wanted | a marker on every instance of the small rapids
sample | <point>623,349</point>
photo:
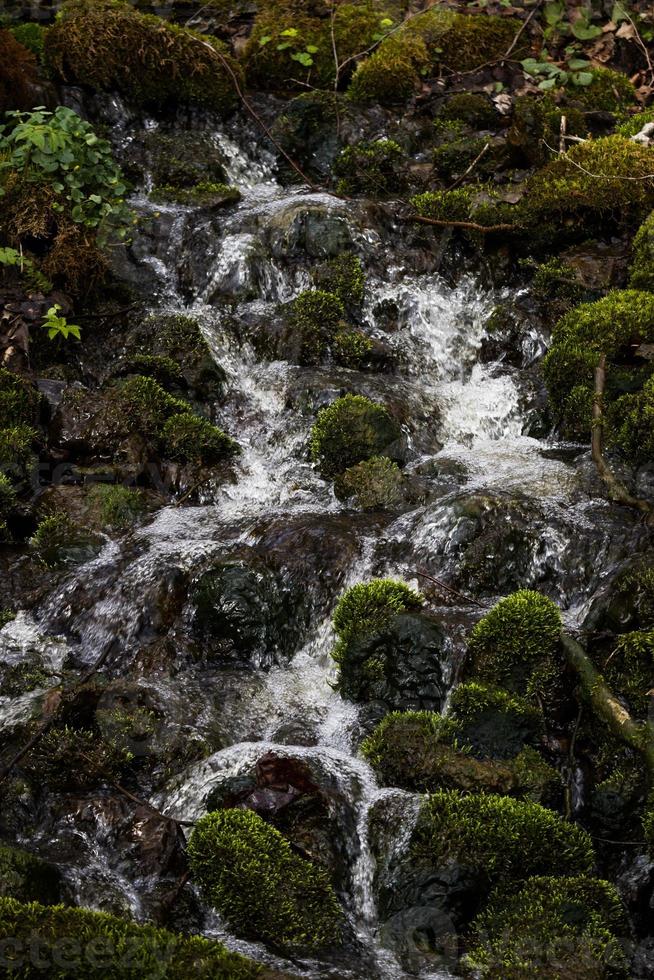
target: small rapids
<point>469,436</point>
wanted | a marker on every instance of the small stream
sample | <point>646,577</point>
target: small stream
<point>468,437</point>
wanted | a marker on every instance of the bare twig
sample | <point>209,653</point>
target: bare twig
<point>525,25</point>
<point>448,588</point>
<point>470,168</point>
<point>471,225</point>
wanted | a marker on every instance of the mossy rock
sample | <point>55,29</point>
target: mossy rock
<point>437,39</point>
<point>128,951</point>
<point>67,759</point>
<point>517,640</point>
<point>149,60</point>
<point>313,319</point>
<point>248,872</point>
<point>27,878</point>
<point>204,194</point>
<point>19,400</point>
<point>609,91</point>
<point>375,484</point>
<point>375,168</point>
<point>494,723</point>
<point>353,429</point>
<point>551,927</point>
<point>178,164</point>
<point>503,839</point>
<point>641,275</point>
<point>289,48</point>
<point>187,438</point>
<point>536,125</point>
<point>58,540</point>
<point>614,326</point>
<point>343,277</point>
<point>562,198</point>
<point>422,752</point>
<point>472,108</point>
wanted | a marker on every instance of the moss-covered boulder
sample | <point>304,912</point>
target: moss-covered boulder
<point>109,46</point>
<point>58,540</point>
<point>27,878</point>
<point>312,322</point>
<point>642,270</point>
<point>248,872</point>
<point>551,927</point>
<point>615,326</point>
<point>342,276</point>
<point>503,839</point>
<point>494,723</point>
<point>375,484</point>
<point>353,429</point>
<point>421,751</point>
<point>388,653</point>
<point>609,91</point>
<point>103,947</point>
<point>517,642</point>
<point>435,40</point>
<point>375,169</point>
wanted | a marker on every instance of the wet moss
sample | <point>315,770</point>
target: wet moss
<point>191,439</point>
<point>631,424</point>
<point>205,193</point>
<point>369,606</point>
<point>444,205</point>
<point>375,484</point>
<point>614,326</point>
<point>634,124</point>
<point>17,450</point>
<point>27,878</point>
<point>352,429</point>
<point>536,127</point>
<point>609,91</point>
<point>19,401</point>
<point>551,927</point>
<point>103,947</point>
<point>119,507</point>
<point>471,108</point>
<point>351,347</point>
<point>58,540</point>
<point>371,168</point>
<point>149,60</point>
<point>314,318</point>
<point>555,280</point>
<point>642,269</point>
<point>435,40</point>
<point>505,839</point>
<point>179,338</point>
<point>494,722</point>
<point>18,73</point>
<point>517,637</point>
<point>66,759</point>
<point>342,276</point>
<point>248,871</point>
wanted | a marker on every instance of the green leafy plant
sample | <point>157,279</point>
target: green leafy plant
<point>58,326</point>
<point>62,149</point>
<point>33,278</point>
<point>290,40</point>
<point>553,76</point>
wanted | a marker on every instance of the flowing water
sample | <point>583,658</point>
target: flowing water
<point>468,433</point>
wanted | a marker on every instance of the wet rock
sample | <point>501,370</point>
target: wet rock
<point>244,613</point>
<point>316,229</point>
<point>177,159</point>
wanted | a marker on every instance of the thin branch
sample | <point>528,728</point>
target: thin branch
<point>639,41</point>
<point>471,225</point>
<point>448,588</point>
<point>525,25</point>
<point>470,168</point>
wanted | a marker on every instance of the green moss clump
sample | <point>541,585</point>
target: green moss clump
<point>25,877</point>
<point>368,607</point>
<point>7,499</point>
<point>6,616</point>
<point>435,40</point>
<point>118,506</point>
<point>352,429</point>
<point>551,927</point>
<point>140,402</point>
<point>314,318</point>
<point>342,276</point>
<point>633,125</point>
<point>505,839</point>
<point>163,369</point>
<point>31,36</point>
<point>409,748</point>
<point>630,669</point>
<point>612,326</point>
<point>444,205</point>
<point>248,871</point>
<point>205,193</point>
<point>520,633</point>
<point>103,947</point>
<point>191,439</point>
<point>630,424</point>
<point>179,338</point>
<point>371,168</point>
<point>494,722</point>
<point>556,280</point>
<point>609,91</point>
<point>75,759</point>
<point>641,275</point>
<point>108,45</point>
<point>471,108</point>
<point>58,540</point>
<point>375,484</point>
<point>16,448</point>
<point>537,122</point>
<point>579,191</point>
<point>19,401</point>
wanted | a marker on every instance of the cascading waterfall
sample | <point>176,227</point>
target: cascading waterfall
<point>478,434</point>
